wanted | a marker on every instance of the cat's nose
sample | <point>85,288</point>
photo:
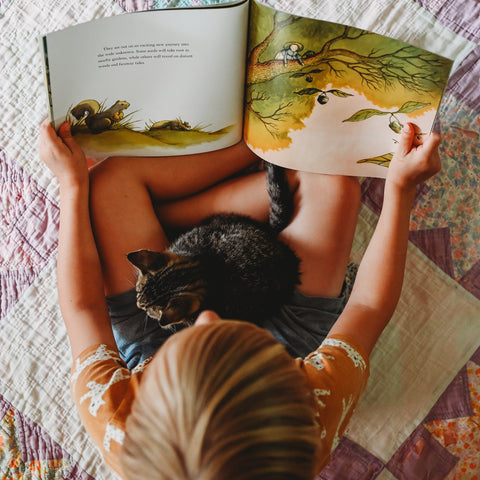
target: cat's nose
<point>207,316</point>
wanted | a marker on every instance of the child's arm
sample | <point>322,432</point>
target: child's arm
<point>79,275</point>
<point>380,276</point>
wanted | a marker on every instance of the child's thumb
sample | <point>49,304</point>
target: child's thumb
<point>66,135</point>
<point>406,139</point>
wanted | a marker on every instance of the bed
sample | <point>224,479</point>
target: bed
<point>420,415</point>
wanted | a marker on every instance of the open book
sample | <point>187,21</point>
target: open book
<point>306,94</point>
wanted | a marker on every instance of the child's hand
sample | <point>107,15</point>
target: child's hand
<point>62,154</point>
<point>414,161</point>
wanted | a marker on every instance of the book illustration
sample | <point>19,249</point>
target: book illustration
<point>100,128</point>
<point>394,123</point>
<point>306,94</point>
<point>96,118</point>
<point>290,51</point>
<point>298,67</point>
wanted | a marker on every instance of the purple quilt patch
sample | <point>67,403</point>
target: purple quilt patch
<point>462,16</point>
<point>76,473</point>
<point>463,83</point>
<point>421,457</point>
<point>35,444</point>
<point>372,194</point>
<point>471,281</point>
<point>136,5</point>
<point>435,244</point>
<point>350,461</point>
<point>455,400</point>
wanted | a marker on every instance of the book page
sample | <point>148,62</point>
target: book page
<point>163,82</point>
<point>330,98</point>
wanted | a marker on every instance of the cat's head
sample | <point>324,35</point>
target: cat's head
<point>170,287</point>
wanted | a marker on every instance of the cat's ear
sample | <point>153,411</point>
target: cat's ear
<point>179,309</point>
<point>147,261</point>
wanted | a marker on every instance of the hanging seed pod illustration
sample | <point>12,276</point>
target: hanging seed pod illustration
<point>395,124</point>
<point>322,99</point>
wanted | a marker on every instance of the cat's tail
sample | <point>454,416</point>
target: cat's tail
<point>281,199</point>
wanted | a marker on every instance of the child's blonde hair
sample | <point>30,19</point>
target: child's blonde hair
<point>222,401</point>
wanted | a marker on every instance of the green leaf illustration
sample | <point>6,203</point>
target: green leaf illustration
<point>364,114</point>
<point>339,93</point>
<point>308,91</point>
<point>382,160</point>
<point>411,106</point>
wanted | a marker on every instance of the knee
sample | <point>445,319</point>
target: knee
<point>109,180</point>
<point>108,167</point>
<point>110,175</point>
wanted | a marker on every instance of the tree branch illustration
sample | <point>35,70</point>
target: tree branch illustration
<point>277,25</point>
<point>403,66</point>
<point>270,121</point>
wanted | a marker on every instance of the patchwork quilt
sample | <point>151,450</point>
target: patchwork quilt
<point>420,416</point>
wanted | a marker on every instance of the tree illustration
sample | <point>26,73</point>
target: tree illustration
<point>280,94</point>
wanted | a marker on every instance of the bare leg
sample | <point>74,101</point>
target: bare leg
<point>122,190</point>
<point>244,195</point>
<point>322,230</point>
<point>125,219</point>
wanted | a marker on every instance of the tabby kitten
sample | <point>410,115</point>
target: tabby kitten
<point>229,263</point>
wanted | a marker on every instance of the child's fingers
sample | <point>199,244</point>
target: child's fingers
<point>69,141</point>
<point>430,145</point>
<point>64,130</point>
<point>430,148</point>
<point>433,141</point>
<point>66,135</point>
<point>48,138</point>
<point>45,130</point>
<point>406,139</point>
<point>50,133</point>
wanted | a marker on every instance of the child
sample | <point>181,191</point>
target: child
<point>223,399</point>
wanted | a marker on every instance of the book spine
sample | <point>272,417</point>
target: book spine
<point>47,78</point>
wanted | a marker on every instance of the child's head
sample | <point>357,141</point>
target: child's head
<point>222,400</point>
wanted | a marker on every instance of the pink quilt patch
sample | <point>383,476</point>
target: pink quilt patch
<point>28,231</point>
